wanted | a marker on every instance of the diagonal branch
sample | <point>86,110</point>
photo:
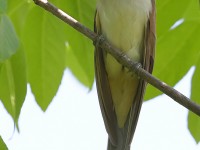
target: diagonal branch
<point>121,58</point>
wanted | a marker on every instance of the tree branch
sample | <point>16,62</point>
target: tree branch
<point>121,58</point>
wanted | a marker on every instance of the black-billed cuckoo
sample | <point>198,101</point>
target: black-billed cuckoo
<point>130,26</point>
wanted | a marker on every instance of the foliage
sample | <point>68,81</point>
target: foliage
<point>2,145</point>
<point>178,49</point>
<point>36,47</point>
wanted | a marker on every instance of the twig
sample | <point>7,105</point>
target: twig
<point>120,57</point>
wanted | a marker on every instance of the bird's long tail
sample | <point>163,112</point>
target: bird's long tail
<point>119,147</point>
<point>125,134</point>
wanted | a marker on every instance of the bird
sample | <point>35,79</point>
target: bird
<point>130,26</point>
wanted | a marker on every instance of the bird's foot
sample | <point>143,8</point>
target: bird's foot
<point>98,40</point>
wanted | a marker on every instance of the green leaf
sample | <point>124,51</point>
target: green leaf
<point>2,145</point>
<point>44,42</point>
<point>176,50</point>
<point>73,63</point>
<point>1,66</point>
<point>18,11</point>
<point>8,39</point>
<point>193,119</point>
<point>13,83</point>
<point>192,12</point>
<point>81,48</point>
<point>168,12</point>
<point>3,6</point>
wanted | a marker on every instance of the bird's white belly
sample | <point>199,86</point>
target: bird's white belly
<point>122,24</point>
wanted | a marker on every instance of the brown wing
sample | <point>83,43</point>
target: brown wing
<point>148,61</point>
<point>103,89</point>
<point>150,40</point>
